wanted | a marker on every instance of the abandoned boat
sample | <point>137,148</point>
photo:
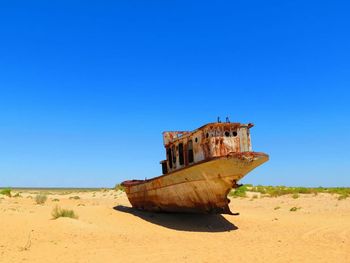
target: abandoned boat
<point>200,169</point>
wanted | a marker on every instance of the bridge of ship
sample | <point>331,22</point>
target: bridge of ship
<point>185,148</point>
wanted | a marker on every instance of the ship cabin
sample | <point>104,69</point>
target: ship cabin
<point>186,148</point>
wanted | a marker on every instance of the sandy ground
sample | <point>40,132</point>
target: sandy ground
<point>108,230</point>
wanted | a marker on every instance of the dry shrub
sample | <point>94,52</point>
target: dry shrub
<point>60,212</point>
<point>40,199</point>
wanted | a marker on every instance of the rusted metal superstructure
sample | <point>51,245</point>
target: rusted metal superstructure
<point>200,169</point>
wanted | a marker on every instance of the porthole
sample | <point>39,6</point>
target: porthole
<point>234,134</point>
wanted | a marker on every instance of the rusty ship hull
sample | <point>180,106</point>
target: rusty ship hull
<point>198,188</point>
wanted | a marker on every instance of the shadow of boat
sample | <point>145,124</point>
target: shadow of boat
<point>182,221</point>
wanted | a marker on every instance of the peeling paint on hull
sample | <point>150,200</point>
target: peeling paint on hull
<point>199,188</point>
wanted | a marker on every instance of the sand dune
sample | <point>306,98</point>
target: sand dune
<point>108,230</point>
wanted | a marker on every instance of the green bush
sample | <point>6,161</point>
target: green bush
<point>239,192</point>
<point>6,191</point>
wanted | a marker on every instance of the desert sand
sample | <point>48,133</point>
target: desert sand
<point>108,230</point>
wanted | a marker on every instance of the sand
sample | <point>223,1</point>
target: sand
<point>108,230</point>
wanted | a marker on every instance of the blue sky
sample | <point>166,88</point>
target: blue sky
<point>86,88</point>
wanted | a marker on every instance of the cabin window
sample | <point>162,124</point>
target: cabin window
<point>174,154</point>
<point>234,134</point>
<point>164,168</point>
<point>196,140</point>
<point>227,133</point>
<point>190,151</point>
<point>207,135</point>
<point>181,153</point>
<point>170,158</point>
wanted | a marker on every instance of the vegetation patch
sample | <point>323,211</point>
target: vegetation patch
<point>275,191</point>
<point>17,195</point>
<point>119,187</point>
<point>58,212</point>
<point>40,199</point>
<point>343,196</point>
<point>295,196</point>
<point>55,200</point>
<point>6,191</point>
<point>75,197</point>
<point>294,209</point>
<point>239,192</point>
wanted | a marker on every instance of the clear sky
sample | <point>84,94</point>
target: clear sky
<point>86,88</point>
